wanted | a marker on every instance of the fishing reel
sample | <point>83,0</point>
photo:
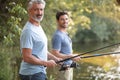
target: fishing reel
<point>66,66</point>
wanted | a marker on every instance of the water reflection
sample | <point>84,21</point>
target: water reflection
<point>99,68</point>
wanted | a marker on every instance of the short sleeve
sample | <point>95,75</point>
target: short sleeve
<point>26,39</point>
<point>56,42</point>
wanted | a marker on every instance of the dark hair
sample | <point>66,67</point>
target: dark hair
<point>60,13</point>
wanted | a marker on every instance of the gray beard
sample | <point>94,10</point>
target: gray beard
<point>38,20</point>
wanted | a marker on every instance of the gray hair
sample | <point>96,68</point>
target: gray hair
<point>31,2</point>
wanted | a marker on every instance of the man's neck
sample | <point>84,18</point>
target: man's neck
<point>62,29</point>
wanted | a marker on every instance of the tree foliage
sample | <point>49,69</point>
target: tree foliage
<point>104,22</point>
<point>85,15</point>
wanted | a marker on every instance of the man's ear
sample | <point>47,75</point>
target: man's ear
<point>28,11</point>
<point>57,21</point>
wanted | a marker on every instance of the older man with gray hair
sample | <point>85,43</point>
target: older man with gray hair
<point>33,45</point>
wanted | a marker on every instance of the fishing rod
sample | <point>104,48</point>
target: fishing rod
<point>87,52</point>
<point>97,55</point>
<point>75,65</point>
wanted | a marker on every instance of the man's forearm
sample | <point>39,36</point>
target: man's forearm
<point>51,56</point>
<point>61,55</point>
<point>33,60</point>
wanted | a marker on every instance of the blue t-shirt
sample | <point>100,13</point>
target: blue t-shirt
<point>33,37</point>
<point>62,42</point>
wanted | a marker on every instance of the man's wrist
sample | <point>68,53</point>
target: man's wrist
<point>44,63</point>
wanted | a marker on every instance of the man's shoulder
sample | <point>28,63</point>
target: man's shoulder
<point>58,33</point>
<point>28,28</point>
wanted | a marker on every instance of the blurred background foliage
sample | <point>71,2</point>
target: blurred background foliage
<point>92,21</point>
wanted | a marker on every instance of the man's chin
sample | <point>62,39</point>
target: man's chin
<point>64,27</point>
<point>38,20</point>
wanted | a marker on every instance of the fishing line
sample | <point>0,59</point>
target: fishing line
<point>97,55</point>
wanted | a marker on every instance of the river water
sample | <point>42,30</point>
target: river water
<point>99,68</point>
<point>110,68</point>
